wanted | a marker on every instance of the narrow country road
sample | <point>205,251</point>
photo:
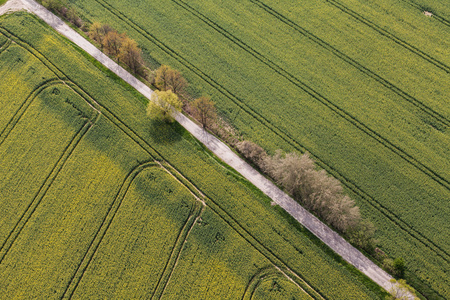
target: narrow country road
<point>323,232</point>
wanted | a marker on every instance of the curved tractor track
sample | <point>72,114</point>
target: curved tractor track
<point>328,236</point>
<point>396,219</point>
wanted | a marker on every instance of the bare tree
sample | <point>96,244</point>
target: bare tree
<point>131,55</point>
<point>315,189</point>
<point>112,43</point>
<point>205,111</point>
<point>252,152</point>
<point>176,82</point>
<point>167,78</point>
<point>98,31</point>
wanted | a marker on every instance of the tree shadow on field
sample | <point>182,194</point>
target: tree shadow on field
<point>164,133</point>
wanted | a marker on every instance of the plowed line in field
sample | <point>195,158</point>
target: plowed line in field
<point>261,276</point>
<point>201,197</point>
<point>295,144</point>
<point>281,265</point>
<point>195,213</point>
<point>154,153</point>
<point>255,280</point>
<point>420,105</point>
<point>316,95</point>
<point>390,36</point>
<point>5,46</point>
<point>24,106</point>
<point>33,51</point>
<point>128,131</point>
<point>421,9</point>
<point>176,251</point>
<point>103,228</point>
<point>142,143</point>
<point>7,244</point>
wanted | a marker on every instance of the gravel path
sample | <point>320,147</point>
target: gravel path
<point>323,232</point>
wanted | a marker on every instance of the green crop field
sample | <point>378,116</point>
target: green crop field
<point>99,201</point>
<point>361,85</point>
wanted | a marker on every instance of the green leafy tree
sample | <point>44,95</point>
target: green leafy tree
<point>399,267</point>
<point>401,290</point>
<point>163,104</point>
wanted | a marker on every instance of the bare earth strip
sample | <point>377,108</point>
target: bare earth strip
<point>323,232</point>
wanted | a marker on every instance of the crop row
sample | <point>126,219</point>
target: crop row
<point>4,45</point>
<point>423,8</point>
<point>344,114</point>
<point>58,146</point>
<point>238,101</point>
<point>414,227</point>
<point>389,35</point>
<point>172,146</point>
<point>428,110</point>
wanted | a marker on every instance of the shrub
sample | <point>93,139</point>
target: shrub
<point>252,152</point>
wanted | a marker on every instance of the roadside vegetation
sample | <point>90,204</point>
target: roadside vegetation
<point>94,188</point>
<point>298,175</point>
<point>348,82</point>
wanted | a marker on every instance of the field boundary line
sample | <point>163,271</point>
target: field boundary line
<point>295,144</point>
<point>90,253</point>
<point>277,262</point>
<point>24,106</point>
<point>37,199</point>
<point>69,33</point>
<point>33,52</point>
<point>390,36</point>
<point>419,104</point>
<point>255,281</point>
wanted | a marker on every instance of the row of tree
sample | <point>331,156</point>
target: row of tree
<point>315,190</point>
<point>115,44</point>
<point>172,85</point>
<point>119,46</point>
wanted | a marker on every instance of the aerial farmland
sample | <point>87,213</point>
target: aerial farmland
<point>99,200</point>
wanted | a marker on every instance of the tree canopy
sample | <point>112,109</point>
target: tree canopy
<point>163,104</point>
